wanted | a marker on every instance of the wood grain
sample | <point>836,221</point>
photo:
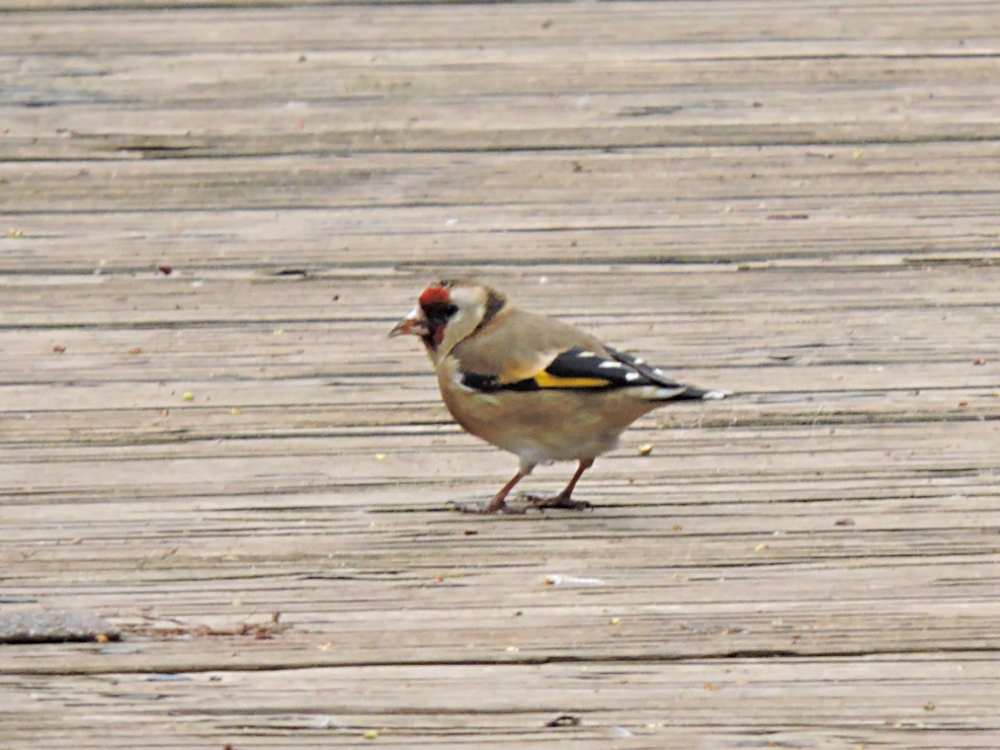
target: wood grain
<point>210,217</point>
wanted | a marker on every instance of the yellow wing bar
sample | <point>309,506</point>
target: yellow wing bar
<point>546,380</point>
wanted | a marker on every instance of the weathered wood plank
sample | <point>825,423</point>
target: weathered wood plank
<point>827,182</point>
<point>795,201</point>
<point>667,705</point>
<point>457,26</point>
<point>481,78</point>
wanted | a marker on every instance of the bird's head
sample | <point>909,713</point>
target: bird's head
<point>449,311</point>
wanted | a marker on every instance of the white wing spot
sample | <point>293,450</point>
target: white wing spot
<point>665,393</point>
<point>585,355</point>
<point>660,372</point>
<point>657,393</point>
<point>639,361</point>
<point>609,364</point>
<point>632,376</point>
<point>457,379</point>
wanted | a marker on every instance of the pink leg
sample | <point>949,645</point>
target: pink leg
<point>497,504</point>
<point>562,500</point>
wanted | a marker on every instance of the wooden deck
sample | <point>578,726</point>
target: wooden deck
<point>795,201</point>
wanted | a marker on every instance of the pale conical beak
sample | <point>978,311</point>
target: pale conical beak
<point>415,323</point>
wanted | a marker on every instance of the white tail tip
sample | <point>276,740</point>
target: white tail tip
<point>715,395</point>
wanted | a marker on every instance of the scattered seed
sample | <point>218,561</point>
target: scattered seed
<point>564,720</point>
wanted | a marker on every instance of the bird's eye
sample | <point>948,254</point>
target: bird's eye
<point>439,313</point>
<point>444,283</point>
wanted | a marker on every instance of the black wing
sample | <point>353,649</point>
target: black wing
<point>578,369</point>
<point>656,376</point>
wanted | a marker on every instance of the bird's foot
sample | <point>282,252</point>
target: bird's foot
<point>487,508</point>
<point>558,501</point>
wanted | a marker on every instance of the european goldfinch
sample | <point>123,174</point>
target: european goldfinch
<point>532,385</point>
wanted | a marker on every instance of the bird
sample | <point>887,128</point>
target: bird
<point>532,385</point>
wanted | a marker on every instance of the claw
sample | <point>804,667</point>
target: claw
<point>558,501</point>
<point>484,509</point>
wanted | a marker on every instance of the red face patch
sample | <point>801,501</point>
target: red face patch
<point>435,295</point>
<point>439,336</point>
